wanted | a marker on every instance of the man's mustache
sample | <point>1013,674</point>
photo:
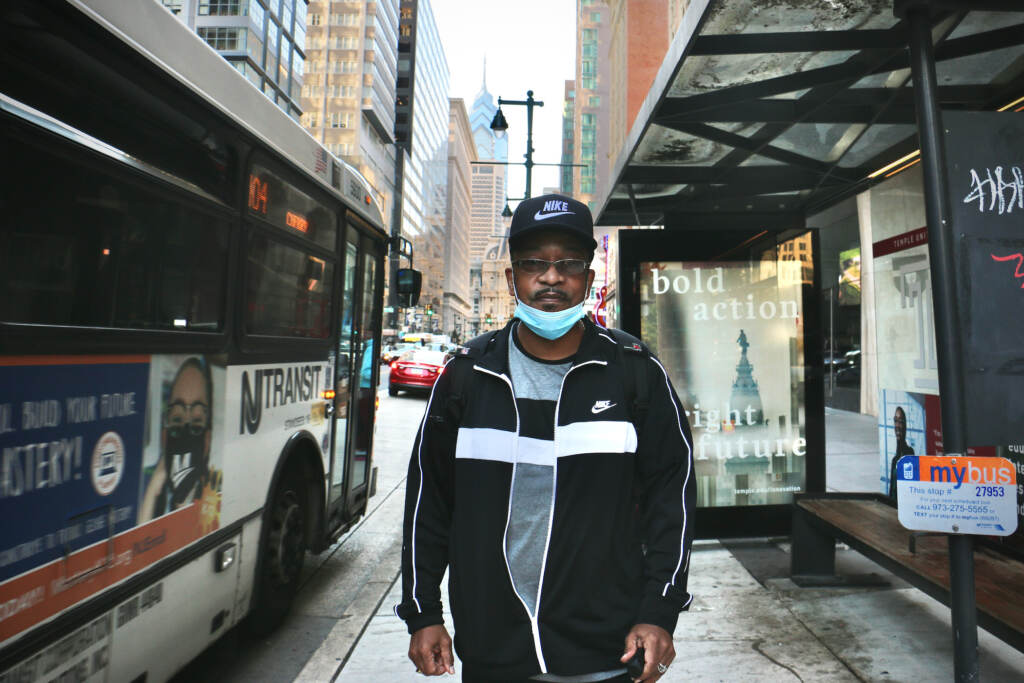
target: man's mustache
<point>550,291</point>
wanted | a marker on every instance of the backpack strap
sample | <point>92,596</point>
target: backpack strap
<point>633,356</point>
<point>461,367</point>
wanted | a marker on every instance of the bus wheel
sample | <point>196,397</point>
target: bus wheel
<point>282,554</point>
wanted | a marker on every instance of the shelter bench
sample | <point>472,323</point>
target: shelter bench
<point>868,523</point>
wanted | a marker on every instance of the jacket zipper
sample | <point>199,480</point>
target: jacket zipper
<point>551,510</point>
<point>534,625</point>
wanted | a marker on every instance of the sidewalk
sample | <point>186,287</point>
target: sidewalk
<point>749,622</point>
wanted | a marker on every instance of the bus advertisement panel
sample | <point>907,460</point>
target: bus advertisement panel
<point>108,466</point>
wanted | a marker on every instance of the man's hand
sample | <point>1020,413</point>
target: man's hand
<point>430,649</point>
<point>657,643</point>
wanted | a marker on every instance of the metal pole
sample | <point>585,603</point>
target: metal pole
<point>529,143</point>
<point>396,233</point>
<point>831,342</point>
<point>947,327</point>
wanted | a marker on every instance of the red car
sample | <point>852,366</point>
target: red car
<point>416,370</point>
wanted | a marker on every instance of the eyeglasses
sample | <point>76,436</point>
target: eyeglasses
<point>192,416</point>
<point>566,266</point>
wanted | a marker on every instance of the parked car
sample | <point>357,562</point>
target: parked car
<point>390,353</point>
<point>416,370</point>
<point>850,373</point>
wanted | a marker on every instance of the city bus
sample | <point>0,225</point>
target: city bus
<point>190,309</point>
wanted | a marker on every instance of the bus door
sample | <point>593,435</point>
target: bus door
<point>356,370</point>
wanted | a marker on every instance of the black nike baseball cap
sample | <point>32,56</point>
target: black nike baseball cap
<point>553,211</point>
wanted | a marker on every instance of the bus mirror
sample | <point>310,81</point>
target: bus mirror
<point>409,282</point>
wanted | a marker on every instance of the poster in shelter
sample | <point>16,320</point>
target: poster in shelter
<point>730,335</point>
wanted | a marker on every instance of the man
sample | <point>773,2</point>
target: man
<point>899,427</point>
<point>565,526</point>
<point>183,468</point>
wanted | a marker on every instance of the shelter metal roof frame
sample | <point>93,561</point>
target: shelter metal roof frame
<point>765,113</point>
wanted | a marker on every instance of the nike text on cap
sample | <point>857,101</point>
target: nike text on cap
<point>553,211</point>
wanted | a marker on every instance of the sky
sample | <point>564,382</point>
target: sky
<point>529,45</point>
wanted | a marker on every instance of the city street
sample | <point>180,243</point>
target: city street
<point>747,619</point>
<point>343,586</point>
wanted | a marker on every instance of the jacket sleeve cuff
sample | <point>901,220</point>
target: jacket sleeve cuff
<point>414,620</point>
<point>663,612</point>
<point>415,623</point>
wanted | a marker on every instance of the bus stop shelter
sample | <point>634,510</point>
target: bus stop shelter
<point>763,114</point>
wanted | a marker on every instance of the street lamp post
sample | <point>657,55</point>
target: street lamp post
<point>499,125</point>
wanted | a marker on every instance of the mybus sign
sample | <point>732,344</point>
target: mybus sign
<point>960,471</point>
<point>965,495</point>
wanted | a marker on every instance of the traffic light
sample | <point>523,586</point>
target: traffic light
<point>488,320</point>
<point>430,310</point>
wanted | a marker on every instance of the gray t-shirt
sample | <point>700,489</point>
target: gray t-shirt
<point>537,384</point>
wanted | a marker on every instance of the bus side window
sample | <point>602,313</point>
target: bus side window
<point>113,253</point>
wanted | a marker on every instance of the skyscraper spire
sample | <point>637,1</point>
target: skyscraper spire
<point>483,86</point>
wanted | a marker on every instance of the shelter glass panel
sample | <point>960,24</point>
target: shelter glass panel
<point>701,74</point>
<point>876,140</point>
<point>731,336</point>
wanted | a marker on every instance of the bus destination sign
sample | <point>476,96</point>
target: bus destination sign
<point>275,200</point>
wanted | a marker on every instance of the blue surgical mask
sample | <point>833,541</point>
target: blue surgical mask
<point>548,324</point>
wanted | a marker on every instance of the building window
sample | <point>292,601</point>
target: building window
<point>220,8</point>
<point>340,119</point>
<point>286,14</point>
<point>254,47</point>
<point>590,35</point>
<point>589,83</point>
<point>314,19</point>
<point>587,186</point>
<point>595,17</point>
<point>224,38</point>
<point>173,5</point>
<point>587,119</point>
<point>257,13</point>
<point>594,101</point>
<point>588,67</point>
<point>345,19</point>
<point>341,91</point>
<point>309,120</point>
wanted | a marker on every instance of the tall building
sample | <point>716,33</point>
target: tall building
<point>263,39</point>
<point>635,51</point>
<point>348,97</point>
<point>421,135</point>
<point>489,182</point>
<point>568,137</point>
<point>487,228</point>
<point>590,132</point>
<point>496,304</point>
<point>457,306</point>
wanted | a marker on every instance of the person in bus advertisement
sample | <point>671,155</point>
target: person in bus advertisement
<point>184,473</point>
<point>555,487</point>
